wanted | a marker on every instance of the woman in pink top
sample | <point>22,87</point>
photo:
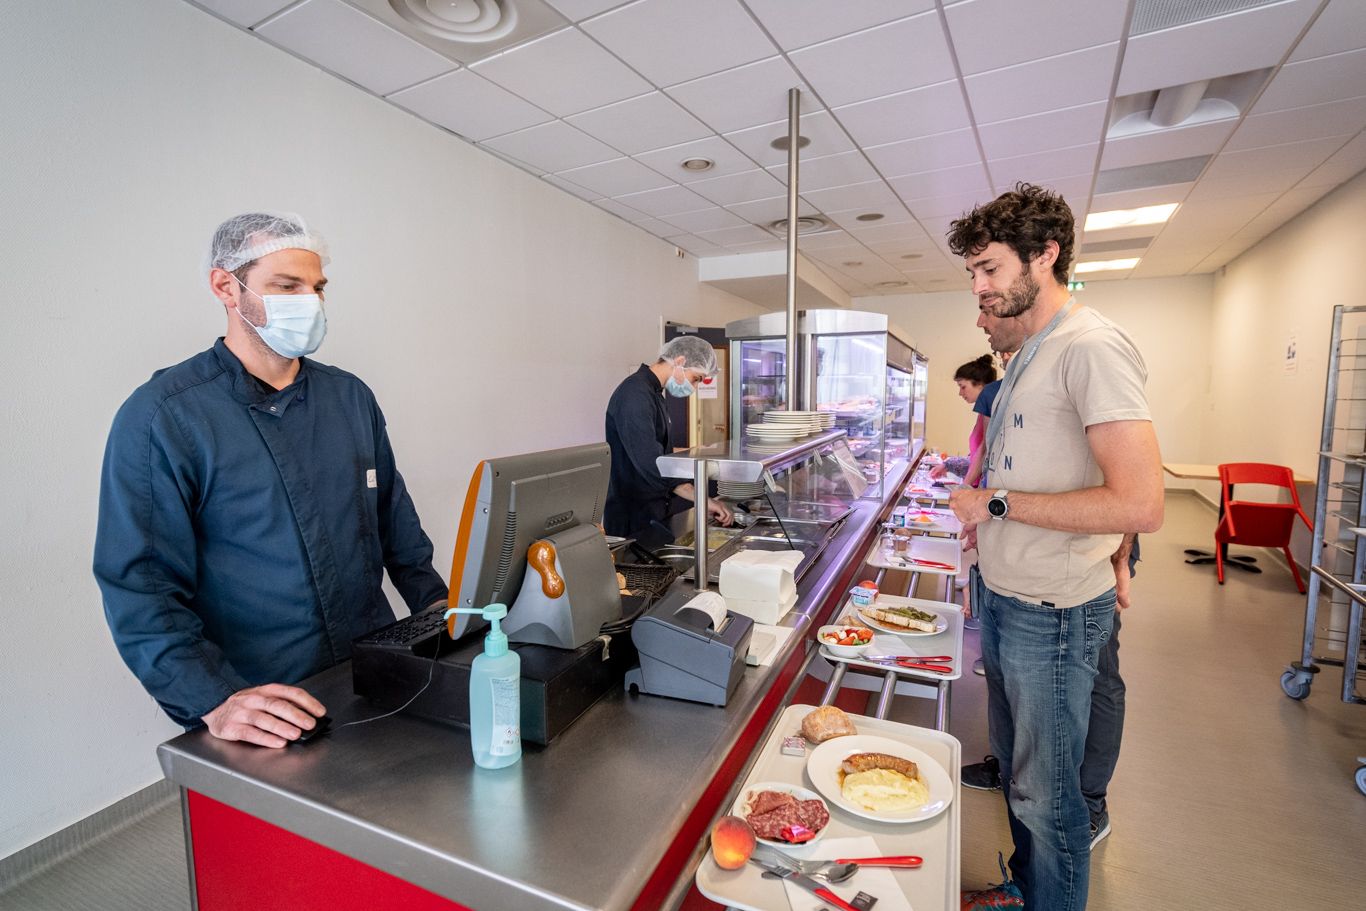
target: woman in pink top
<point>972,378</point>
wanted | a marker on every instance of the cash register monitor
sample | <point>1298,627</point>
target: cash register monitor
<point>511,502</point>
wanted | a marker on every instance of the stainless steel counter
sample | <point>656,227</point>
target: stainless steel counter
<point>582,823</point>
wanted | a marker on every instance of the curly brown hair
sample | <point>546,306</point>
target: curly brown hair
<point>1024,219</point>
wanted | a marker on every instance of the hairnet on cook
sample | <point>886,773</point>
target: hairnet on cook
<point>246,238</point>
<point>698,353</point>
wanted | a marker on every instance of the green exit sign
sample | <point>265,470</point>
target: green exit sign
<point>1076,286</point>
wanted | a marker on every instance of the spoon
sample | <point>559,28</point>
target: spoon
<point>827,870</point>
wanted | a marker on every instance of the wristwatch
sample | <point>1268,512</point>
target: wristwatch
<point>998,506</point>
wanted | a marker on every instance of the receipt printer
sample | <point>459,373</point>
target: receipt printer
<point>690,647</point>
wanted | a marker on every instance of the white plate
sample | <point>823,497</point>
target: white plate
<point>739,808</point>
<point>822,767</point>
<point>940,624</point>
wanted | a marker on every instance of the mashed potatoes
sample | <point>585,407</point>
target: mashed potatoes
<point>884,791</point>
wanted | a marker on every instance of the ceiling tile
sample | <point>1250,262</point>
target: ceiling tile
<point>825,241</point>
<point>615,178</point>
<point>1340,27</point>
<point>696,245</point>
<point>1165,145</point>
<point>873,196</point>
<point>245,13</point>
<point>1043,166</point>
<point>727,160</point>
<point>827,172</point>
<point>929,153</point>
<point>1336,118</point>
<point>655,226</point>
<point>582,9</point>
<point>746,234</point>
<point>640,124</point>
<point>1314,82</point>
<point>470,105</point>
<point>747,186</point>
<point>906,115</point>
<point>706,220</point>
<point>1042,132</point>
<point>1252,163</point>
<point>554,146</point>
<point>1202,213</point>
<point>909,235</point>
<point>1063,81</point>
<point>664,202</point>
<point>744,97</point>
<point>581,192</point>
<point>1346,162</point>
<point>1228,187</point>
<point>626,212</point>
<point>670,41</point>
<point>849,220</point>
<point>767,211</point>
<point>346,41</point>
<point>938,206</point>
<point>1036,29</point>
<point>537,72</point>
<point>966,179</point>
<point>797,23</point>
<point>825,135</point>
<point>1210,48</point>
<point>877,61</point>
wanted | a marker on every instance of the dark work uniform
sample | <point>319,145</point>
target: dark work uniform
<point>244,532</point>
<point>638,434</point>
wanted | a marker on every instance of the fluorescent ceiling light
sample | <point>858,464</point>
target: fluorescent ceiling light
<point>1106,265</point>
<point>1127,218</point>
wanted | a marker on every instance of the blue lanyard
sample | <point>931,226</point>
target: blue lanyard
<point>1016,367</point>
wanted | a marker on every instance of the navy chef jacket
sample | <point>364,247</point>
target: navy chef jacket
<point>638,434</point>
<point>244,532</point>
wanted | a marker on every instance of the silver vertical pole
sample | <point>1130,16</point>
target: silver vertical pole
<point>794,115</point>
<point>701,572</point>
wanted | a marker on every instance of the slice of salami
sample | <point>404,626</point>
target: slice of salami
<point>766,801</point>
<point>770,825</point>
<point>813,814</point>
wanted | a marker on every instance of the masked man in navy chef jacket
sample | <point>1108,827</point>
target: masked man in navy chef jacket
<point>250,504</point>
<point>638,498</point>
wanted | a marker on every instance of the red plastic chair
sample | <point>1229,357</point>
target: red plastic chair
<point>1257,524</point>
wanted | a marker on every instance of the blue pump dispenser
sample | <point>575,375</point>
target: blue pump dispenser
<point>495,694</point>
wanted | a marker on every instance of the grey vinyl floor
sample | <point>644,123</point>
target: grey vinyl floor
<point>1228,795</point>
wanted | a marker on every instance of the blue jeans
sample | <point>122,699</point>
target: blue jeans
<point>1106,730</point>
<point>1040,667</point>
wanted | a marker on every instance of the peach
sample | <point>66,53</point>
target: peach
<point>732,842</point>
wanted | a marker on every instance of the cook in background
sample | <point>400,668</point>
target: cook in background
<point>972,379</point>
<point>250,504</point>
<point>1072,466</point>
<point>639,499</point>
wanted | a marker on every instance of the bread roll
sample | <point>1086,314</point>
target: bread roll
<point>826,723</point>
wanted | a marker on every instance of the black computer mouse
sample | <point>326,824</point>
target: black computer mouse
<point>321,727</point>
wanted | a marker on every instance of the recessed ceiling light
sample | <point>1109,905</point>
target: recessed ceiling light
<point>1127,218</point>
<point>459,20</point>
<point>1106,265</point>
<point>781,143</point>
<point>698,164</point>
<point>806,224</point>
<point>912,255</point>
<point>891,284</point>
<point>869,216</point>
<point>852,262</point>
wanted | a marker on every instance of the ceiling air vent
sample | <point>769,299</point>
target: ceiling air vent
<point>466,30</point>
<point>1110,246</point>
<point>1157,174</point>
<point>806,224</point>
<point>1186,104</point>
<point>1156,15</point>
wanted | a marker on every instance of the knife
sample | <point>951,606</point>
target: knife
<point>805,882</point>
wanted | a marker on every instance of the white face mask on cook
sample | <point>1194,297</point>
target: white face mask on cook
<point>295,323</point>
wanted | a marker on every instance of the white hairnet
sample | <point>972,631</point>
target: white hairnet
<point>698,353</point>
<point>246,238</point>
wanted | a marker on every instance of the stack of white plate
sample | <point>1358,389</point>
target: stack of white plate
<point>827,419</point>
<point>804,421</point>
<point>775,432</point>
<point>740,490</point>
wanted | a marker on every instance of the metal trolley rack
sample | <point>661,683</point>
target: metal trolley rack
<point>1338,558</point>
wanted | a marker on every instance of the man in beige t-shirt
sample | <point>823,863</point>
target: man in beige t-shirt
<point>1072,465</point>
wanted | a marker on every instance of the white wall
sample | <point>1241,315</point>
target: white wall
<point>491,313</point>
<point>1168,318</point>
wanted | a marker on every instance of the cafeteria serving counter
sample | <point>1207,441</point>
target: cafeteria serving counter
<point>611,815</point>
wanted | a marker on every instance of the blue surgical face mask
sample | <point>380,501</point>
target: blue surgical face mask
<point>295,323</point>
<point>681,388</point>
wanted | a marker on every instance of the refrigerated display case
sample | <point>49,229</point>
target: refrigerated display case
<point>854,364</point>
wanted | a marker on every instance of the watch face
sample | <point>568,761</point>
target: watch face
<point>996,506</point>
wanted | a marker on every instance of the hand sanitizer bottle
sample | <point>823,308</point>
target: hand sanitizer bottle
<point>495,694</point>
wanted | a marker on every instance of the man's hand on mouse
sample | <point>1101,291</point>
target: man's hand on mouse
<point>270,715</point>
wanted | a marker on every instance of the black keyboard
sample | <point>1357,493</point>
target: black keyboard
<point>415,633</point>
